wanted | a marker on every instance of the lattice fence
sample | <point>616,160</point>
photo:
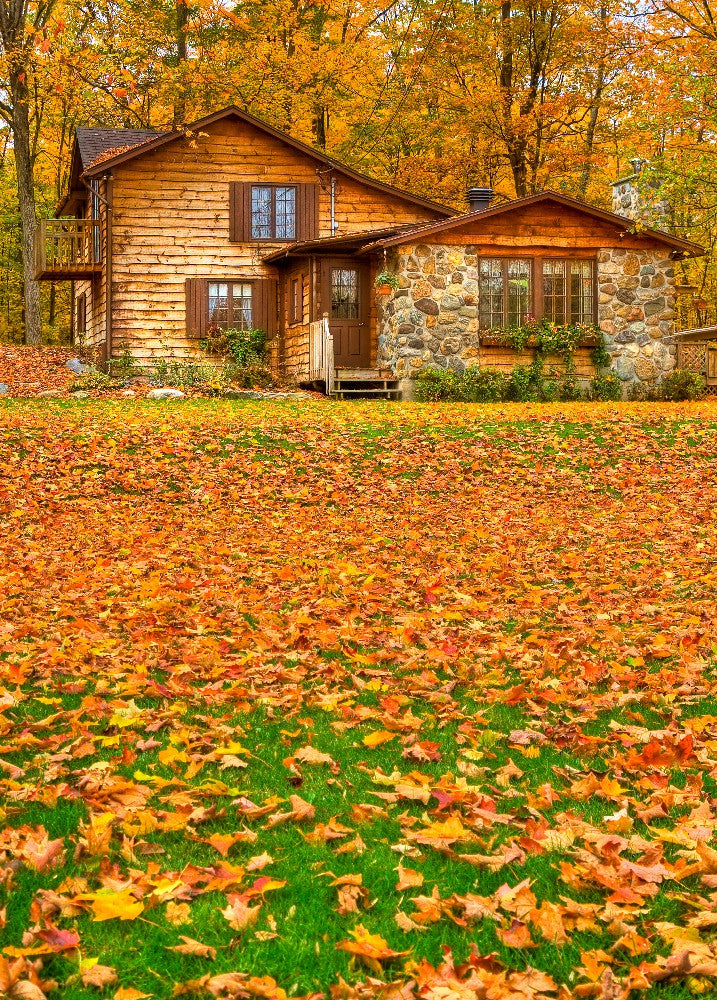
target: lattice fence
<point>693,357</point>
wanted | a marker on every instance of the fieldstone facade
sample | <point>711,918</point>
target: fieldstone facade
<point>432,318</point>
<point>636,312</point>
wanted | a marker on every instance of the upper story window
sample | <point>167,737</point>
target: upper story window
<point>273,212</point>
<point>512,289</point>
<point>260,212</point>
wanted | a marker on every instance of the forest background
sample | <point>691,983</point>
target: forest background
<point>431,95</point>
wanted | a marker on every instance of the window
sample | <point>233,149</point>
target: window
<point>568,291</point>
<point>296,313</point>
<point>505,291</point>
<point>344,293</point>
<point>81,315</point>
<point>273,212</point>
<point>230,305</point>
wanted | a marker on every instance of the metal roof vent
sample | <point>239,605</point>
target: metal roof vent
<point>479,199</point>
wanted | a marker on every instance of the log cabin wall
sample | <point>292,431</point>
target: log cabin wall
<point>94,292</point>
<point>171,222</point>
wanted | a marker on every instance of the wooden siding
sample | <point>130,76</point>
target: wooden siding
<point>539,227</point>
<point>171,222</point>
<point>505,359</point>
<point>94,289</point>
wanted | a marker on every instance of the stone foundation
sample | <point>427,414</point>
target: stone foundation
<point>432,318</point>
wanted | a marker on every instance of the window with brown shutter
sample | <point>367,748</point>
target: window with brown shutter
<point>231,304</point>
<point>272,213</point>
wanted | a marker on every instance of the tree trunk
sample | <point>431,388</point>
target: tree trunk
<point>26,202</point>
<point>180,103</point>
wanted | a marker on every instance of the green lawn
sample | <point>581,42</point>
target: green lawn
<point>276,678</point>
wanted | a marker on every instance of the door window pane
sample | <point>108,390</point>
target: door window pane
<point>344,293</point>
<point>518,291</point>
<point>581,292</point>
<point>261,213</point>
<point>555,291</point>
<point>285,213</point>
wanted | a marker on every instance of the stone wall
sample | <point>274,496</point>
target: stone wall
<point>432,318</point>
<point>636,311</point>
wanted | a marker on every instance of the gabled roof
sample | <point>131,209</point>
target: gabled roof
<point>94,144</point>
<point>163,138</point>
<point>621,222</point>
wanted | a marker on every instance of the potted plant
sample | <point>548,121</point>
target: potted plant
<point>386,282</point>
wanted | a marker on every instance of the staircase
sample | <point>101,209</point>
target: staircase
<point>364,383</point>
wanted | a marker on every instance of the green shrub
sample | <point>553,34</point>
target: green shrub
<point>570,389</point>
<point>482,385</point>
<point>526,384</point>
<point>607,388</point>
<point>90,380</point>
<point>243,347</point>
<point>254,375</point>
<point>681,384</point>
<point>439,385</point>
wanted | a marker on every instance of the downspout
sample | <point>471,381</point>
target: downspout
<point>109,192</point>
<point>333,206</point>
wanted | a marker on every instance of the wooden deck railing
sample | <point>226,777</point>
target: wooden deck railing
<point>68,248</point>
<point>321,354</point>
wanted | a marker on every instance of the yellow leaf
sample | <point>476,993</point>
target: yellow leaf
<point>108,905</point>
<point>376,739</point>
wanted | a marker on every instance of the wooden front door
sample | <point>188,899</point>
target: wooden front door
<point>345,289</point>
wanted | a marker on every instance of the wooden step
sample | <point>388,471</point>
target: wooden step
<point>362,374</point>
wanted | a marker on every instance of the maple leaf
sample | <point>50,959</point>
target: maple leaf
<point>300,812</point>
<point>441,834</point>
<point>195,948</point>
<point>94,974</point>
<point>372,949</point>
<point>239,914</point>
<point>109,905</point>
<point>408,878</point>
<point>516,936</point>
<point>309,755</point>
<point>378,738</point>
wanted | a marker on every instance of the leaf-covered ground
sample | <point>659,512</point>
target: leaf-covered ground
<point>299,699</point>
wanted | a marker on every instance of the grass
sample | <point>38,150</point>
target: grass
<point>519,596</point>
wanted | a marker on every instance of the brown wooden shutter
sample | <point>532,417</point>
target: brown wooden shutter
<point>240,212</point>
<point>307,212</point>
<point>197,307</point>
<point>265,306</point>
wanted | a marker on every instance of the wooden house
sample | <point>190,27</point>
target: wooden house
<point>231,223</point>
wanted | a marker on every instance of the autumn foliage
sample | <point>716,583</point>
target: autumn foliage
<point>357,700</point>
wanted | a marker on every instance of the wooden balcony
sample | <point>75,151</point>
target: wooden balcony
<point>68,248</point>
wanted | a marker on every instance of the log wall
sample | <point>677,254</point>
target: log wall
<point>171,221</point>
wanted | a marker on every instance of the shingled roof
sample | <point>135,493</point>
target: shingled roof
<point>95,143</point>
